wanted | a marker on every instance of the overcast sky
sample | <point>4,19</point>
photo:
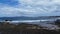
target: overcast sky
<point>30,8</point>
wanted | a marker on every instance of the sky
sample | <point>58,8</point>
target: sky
<point>30,8</point>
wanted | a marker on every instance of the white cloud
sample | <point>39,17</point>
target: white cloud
<point>41,7</point>
<point>6,10</point>
<point>31,8</point>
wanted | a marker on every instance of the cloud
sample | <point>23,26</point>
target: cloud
<point>41,7</point>
<point>9,11</point>
<point>6,10</point>
<point>31,8</point>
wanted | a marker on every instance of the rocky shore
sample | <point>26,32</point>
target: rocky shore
<point>24,28</point>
